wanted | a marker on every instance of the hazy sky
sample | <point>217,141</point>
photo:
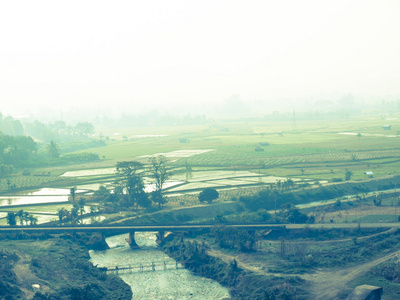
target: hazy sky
<point>63,54</point>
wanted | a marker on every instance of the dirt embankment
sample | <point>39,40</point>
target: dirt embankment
<point>323,283</point>
<point>328,284</point>
<point>29,283</point>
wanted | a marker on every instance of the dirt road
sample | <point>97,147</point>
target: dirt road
<point>324,284</point>
<point>327,284</point>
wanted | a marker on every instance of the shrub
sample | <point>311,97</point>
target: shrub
<point>337,179</point>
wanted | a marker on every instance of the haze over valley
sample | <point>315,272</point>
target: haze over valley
<point>199,150</point>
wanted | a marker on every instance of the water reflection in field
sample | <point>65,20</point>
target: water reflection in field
<point>44,195</point>
<point>91,172</point>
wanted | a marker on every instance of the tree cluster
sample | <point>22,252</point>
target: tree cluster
<point>10,126</point>
<point>130,190</point>
<point>208,195</point>
<point>16,151</point>
<point>230,238</point>
<point>19,152</point>
<point>59,131</point>
<point>241,283</point>
<point>23,216</point>
<point>74,215</point>
<point>275,199</point>
<point>160,174</point>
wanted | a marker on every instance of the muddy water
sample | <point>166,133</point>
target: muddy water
<point>166,282</point>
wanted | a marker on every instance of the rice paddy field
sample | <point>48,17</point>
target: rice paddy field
<point>320,149</point>
<point>238,156</point>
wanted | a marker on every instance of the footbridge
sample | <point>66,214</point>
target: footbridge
<point>153,266</point>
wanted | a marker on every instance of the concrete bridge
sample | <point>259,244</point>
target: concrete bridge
<point>162,229</point>
<point>131,229</point>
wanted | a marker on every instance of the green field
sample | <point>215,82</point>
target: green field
<point>242,158</point>
<point>310,150</point>
<point>317,148</point>
<point>223,155</point>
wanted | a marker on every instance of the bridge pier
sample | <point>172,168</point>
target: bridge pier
<point>131,240</point>
<point>160,237</point>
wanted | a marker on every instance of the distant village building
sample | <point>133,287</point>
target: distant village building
<point>387,127</point>
<point>369,174</point>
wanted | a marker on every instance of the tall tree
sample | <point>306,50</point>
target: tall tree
<point>11,219</point>
<point>16,150</point>
<point>128,168</point>
<point>131,179</point>
<point>103,194</point>
<point>11,126</point>
<point>278,184</point>
<point>82,202</point>
<point>84,129</point>
<point>20,215</point>
<point>62,213</point>
<point>53,150</point>
<point>6,170</point>
<point>348,174</point>
<point>287,184</point>
<point>136,193</point>
<point>26,217</point>
<point>74,213</point>
<point>32,220</point>
<point>72,193</point>
<point>188,171</point>
<point>160,174</point>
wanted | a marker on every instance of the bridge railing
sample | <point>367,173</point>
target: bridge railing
<point>153,266</point>
<point>127,228</point>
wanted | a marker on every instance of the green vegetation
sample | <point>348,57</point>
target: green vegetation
<point>132,182</point>
<point>60,267</point>
<point>208,195</point>
<point>242,284</point>
<point>8,279</point>
<point>160,174</point>
<point>250,170</point>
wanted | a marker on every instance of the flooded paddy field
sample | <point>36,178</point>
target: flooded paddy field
<point>38,196</point>
<point>179,153</point>
<point>27,200</point>
<point>44,213</point>
<point>89,172</point>
<point>213,175</point>
<point>41,218</point>
<point>186,181</point>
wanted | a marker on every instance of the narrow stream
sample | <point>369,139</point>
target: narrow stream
<point>165,282</point>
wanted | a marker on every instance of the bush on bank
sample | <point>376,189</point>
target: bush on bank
<point>241,283</point>
<point>62,264</point>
